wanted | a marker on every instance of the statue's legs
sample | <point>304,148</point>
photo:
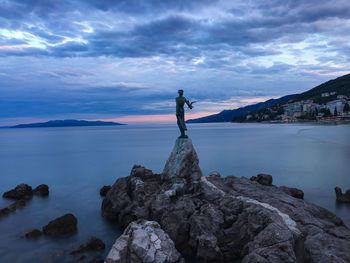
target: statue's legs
<point>182,126</point>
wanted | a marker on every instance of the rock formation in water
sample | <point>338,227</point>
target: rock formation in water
<point>229,219</point>
<point>144,242</point>
<point>342,198</point>
<point>12,207</point>
<point>24,191</point>
<point>41,190</point>
<point>61,226</point>
<point>21,191</point>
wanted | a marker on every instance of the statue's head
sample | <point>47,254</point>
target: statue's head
<point>181,92</point>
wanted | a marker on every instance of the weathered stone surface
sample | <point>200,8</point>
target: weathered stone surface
<point>144,242</point>
<point>63,225</point>
<point>12,207</point>
<point>295,192</point>
<point>104,190</point>
<point>343,198</point>
<point>229,219</point>
<point>35,233</point>
<point>21,191</point>
<point>93,245</point>
<point>182,164</point>
<point>42,190</point>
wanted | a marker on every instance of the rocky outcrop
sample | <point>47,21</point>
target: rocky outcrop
<point>61,226</point>
<point>229,219</point>
<point>342,198</point>
<point>12,207</point>
<point>21,191</point>
<point>295,192</point>
<point>104,190</point>
<point>144,242</point>
<point>264,179</point>
<point>41,190</point>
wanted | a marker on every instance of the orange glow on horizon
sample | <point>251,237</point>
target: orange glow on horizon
<point>157,118</point>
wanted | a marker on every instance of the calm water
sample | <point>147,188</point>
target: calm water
<point>76,162</point>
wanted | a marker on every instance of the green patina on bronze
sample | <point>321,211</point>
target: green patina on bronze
<point>180,112</point>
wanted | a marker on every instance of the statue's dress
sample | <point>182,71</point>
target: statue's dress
<point>180,112</point>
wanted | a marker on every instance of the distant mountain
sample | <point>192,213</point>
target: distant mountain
<point>66,123</point>
<point>334,87</point>
<point>228,115</point>
<point>340,86</point>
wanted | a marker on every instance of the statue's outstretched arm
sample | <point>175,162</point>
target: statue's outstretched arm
<point>189,104</point>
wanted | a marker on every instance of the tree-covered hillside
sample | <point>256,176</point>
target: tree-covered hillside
<point>339,85</point>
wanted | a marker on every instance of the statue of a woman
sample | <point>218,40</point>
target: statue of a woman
<point>180,112</point>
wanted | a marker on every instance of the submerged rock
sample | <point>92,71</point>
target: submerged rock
<point>12,207</point>
<point>35,233</point>
<point>226,219</point>
<point>104,190</point>
<point>63,225</point>
<point>21,191</point>
<point>93,245</point>
<point>144,242</point>
<point>42,190</point>
<point>342,198</point>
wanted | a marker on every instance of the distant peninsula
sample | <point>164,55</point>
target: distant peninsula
<point>67,123</point>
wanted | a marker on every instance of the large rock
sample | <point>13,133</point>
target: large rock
<point>21,191</point>
<point>61,226</point>
<point>182,165</point>
<point>144,242</point>
<point>228,219</point>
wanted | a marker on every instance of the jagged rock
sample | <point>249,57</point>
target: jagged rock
<point>343,198</point>
<point>215,174</point>
<point>35,233</point>
<point>12,207</point>
<point>104,190</point>
<point>144,242</point>
<point>295,192</point>
<point>63,225</point>
<point>21,191</point>
<point>42,190</point>
<point>229,219</point>
<point>94,244</point>
<point>264,179</point>
<point>182,164</point>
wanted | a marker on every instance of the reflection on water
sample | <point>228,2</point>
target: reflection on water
<point>77,162</point>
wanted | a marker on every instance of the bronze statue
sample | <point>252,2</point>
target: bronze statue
<point>180,112</point>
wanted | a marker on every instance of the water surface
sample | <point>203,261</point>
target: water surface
<point>77,162</point>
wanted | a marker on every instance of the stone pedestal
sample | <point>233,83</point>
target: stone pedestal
<point>183,164</point>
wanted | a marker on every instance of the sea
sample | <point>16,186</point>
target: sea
<point>76,162</point>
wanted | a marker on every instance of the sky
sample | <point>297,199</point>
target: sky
<point>125,60</point>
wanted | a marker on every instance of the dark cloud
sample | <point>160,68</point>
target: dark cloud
<point>70,56</point>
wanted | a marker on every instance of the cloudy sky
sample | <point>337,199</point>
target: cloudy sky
<point>125,60</point>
